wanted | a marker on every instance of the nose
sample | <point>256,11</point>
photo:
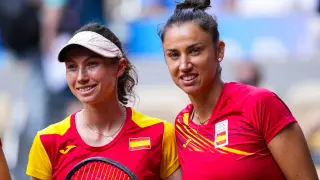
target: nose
<point>185,64</point>
<point>82,76</point>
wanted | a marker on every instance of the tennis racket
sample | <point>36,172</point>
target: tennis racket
<point>100,168</point>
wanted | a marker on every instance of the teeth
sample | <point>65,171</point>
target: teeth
<point>85,89</point>
<point>188,78</point>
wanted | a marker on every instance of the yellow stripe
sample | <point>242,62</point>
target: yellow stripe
<point>195,139</point>
<point>196,143</point>
<point>235,151</point>
<point>139,143</point>
<point>189,143</point>
<point>186,118</point>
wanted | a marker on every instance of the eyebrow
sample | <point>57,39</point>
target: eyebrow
<point>190,46</point>
<point>194,44</point>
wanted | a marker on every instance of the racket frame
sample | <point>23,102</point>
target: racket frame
<point>100,159</point>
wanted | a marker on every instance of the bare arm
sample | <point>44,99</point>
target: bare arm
<point>291,152</point>
<point>176,175</point>
<point>4,170</point>
<point>33,178</point>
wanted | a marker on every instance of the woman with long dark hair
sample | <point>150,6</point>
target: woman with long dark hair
<point>230,130</point>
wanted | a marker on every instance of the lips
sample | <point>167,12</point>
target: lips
<point>188,79</point>
<point>86,89</point>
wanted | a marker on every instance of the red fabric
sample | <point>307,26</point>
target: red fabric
<point>233,145</point>
<point>117,150</point>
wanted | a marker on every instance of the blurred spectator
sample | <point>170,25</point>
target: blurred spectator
<point>248,72</point>
<point>32,30</point>
<point>152,8</point>
<point>19,26</point>
<point>269,8</point>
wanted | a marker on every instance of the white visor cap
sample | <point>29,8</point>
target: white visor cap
<point>94,42</point>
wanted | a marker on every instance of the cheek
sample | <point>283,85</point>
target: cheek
<point>211,64</point>
<point>71,78</point>
<point>96,75</point>
<point>106,76</point>
<point>174,73</point>
<point>71,81</point>
<point>172,67</point>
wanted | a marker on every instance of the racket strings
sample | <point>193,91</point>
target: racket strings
<point>100,171</point>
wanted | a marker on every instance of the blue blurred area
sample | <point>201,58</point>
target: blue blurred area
<point>288,30</point>
<point>2,59</point>
<point>144,41</point>
<point>93,12</point>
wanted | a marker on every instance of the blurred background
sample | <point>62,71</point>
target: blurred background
<point>269,43</point>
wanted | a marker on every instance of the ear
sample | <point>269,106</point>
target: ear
<point>220,51</point>
<point>122,67</point>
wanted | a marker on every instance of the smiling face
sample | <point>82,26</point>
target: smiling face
<point>92,78</point>
<point>191,57</point>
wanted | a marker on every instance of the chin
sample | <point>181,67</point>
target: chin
<point>88,100</point>
<point>190,90</point>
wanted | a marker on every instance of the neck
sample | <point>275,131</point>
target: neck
<point>204,102</point>
<point>103,116</point>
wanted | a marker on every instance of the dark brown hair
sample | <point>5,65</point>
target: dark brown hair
<point>193,11</point>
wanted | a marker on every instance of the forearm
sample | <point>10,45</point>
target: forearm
<point>4,170</point>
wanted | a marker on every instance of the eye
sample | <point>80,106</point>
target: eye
<point>173,55</point>
<point>92,63</point>
<point>72,67</point>
<point>195,51</point>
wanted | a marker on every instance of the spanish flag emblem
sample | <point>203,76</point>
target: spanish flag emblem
<point>221,138</point>
<point>139,143</point>
<point>221,134</point>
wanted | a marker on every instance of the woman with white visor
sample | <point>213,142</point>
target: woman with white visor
<point>101,77</point>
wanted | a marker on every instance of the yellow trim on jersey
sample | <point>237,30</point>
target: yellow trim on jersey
<point>39,164</point>
<point>170,161</point>
<point>59,128</point>
<point>186,118</point>
<point>143,120</point>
